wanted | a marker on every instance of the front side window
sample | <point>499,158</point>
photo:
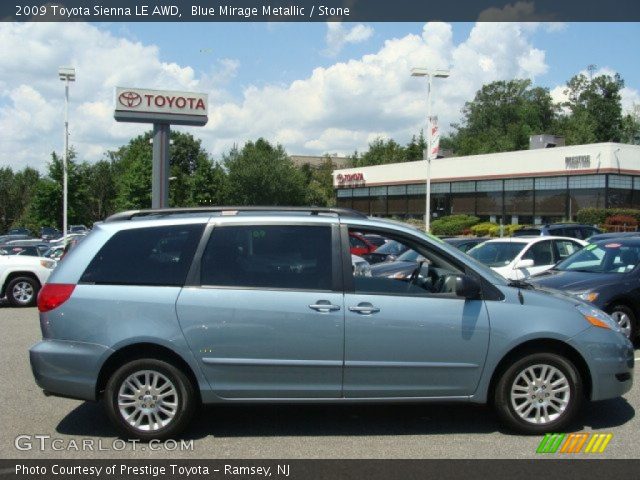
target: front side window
<point>269,256</point>
<point>566,248</point>
<point>419,271</point>
<point>541,253</point>
<point>158,256</point>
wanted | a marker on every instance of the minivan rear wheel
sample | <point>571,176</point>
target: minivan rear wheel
<point>539,393</point>
<point>149,399</point>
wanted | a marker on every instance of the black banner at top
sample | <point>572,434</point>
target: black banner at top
<point>319,10</point>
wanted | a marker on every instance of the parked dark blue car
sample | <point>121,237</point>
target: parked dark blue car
<point>606,274</point>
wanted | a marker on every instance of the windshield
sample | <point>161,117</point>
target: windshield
<point>391,248</point>
<point>496,254</point>
<point>604,258</point>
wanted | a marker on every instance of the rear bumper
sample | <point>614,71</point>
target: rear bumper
<point>67,369</point>
<point>610,358</point>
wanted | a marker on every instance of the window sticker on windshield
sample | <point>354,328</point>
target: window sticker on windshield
<point>259,234</point>
<point>591,246</point>
<point>612,245</point>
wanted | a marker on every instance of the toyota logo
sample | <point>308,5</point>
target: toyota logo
<point>340,178</point>
<point>129,99</point>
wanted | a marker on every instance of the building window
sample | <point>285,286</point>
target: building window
<point>463,204</point>
<point>361,205</point>
<point>345,193</point>
<point>551,183</point>
<point>619,181</point>
<point>518,184</point>
<point>489,186</point>
<point>440,187</point>
<point>636,183</point>
<point>463,187</point>
<point>344,203</point>
<point>587,181</point>
<point>420,189</point>
<point>360,192</point>
<point>397,190</point>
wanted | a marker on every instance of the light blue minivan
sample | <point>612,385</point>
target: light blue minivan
<point>159,311</point>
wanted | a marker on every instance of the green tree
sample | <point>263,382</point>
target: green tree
<point>133,171</point>
<point>631,126</point>
<point>595,109</point>
<point>319,181</point>
<point>263,174</point>
<point>380,152</point>
<point>502,117</point>
<point>208,184</point>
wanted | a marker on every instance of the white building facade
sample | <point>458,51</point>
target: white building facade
<point>528,186</point>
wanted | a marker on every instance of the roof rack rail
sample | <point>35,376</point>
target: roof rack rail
<point>163,212</point>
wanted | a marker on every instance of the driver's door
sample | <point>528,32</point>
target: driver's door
<point>400,342</point>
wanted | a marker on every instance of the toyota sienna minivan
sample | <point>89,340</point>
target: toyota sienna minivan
<point>159,311</point>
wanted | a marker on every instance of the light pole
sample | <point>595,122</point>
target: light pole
<point>67,74</point>
<point>430,74</point>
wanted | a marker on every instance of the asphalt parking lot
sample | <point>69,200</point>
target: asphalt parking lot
<point>398,431</point>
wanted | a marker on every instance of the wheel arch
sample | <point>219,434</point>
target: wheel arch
<point>141,350</point>
<point>539,345</point>
<point>15,274</point>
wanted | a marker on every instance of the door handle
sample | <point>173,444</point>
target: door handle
<point>324,306</point>
<point>364,309</point>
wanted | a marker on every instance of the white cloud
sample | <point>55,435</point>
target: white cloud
<point>338,36</point>
<point>338,108</point>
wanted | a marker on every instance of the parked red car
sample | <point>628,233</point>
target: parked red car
<point>360,245</point>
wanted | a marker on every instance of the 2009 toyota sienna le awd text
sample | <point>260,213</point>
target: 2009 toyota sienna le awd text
<point>156,312</point>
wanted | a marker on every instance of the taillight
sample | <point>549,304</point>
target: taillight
<point>53,295</point>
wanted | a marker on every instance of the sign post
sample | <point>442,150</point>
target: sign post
<point>162,108</point>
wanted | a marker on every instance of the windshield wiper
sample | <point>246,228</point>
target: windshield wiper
<point>521,284</point>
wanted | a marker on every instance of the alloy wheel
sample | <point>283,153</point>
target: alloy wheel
<point>148,400</point>
<point>623,321</point>
<point>23,292</point>
<point>540,394</point>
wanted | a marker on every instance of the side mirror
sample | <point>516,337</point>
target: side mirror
<point>524,264</point>
<point>468,287</point>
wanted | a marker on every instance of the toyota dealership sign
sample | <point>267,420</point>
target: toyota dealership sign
<point>157,106</point>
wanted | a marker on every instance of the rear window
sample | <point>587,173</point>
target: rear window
<point>145,256</point>
<point>269,256</point>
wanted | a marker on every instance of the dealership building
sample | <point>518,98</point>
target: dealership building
<point>538,185</point>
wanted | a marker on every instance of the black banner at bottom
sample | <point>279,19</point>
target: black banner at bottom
<point>320,469</point>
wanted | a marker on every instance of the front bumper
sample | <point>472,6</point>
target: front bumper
<point>67,369</point>
<point>610,358</point>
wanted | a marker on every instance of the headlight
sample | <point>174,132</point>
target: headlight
<point>47,263</point>
<point>362,269</point>
<point>587,296</point>
<point>598,318</point>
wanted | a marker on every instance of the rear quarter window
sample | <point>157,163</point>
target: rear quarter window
<point>159,256</point>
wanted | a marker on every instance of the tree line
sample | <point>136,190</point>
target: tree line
<point>501,117</point>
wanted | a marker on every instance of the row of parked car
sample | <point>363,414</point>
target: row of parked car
<point>26,262</point>
<point>597,267</point>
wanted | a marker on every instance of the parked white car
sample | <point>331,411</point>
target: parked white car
<point>517,258</point>
<point>21,278</point>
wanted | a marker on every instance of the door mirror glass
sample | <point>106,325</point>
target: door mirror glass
<point>467,287</point>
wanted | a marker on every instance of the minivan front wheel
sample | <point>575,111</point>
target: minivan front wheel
<point>539,393</point>
<point>149,399</point>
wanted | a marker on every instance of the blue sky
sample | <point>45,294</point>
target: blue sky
<point>284,52</point>
<point>315,88</point>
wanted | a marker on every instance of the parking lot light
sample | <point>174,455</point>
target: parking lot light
<point>66,74</point>
<point>430,74</point>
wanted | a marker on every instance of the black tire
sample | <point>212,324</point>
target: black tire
<point>23,292</point>
<point>185,398</point>
<point>624,310</point>
<point>504,403</point>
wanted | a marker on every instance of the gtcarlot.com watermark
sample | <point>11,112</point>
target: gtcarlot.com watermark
<point>47,443</point>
